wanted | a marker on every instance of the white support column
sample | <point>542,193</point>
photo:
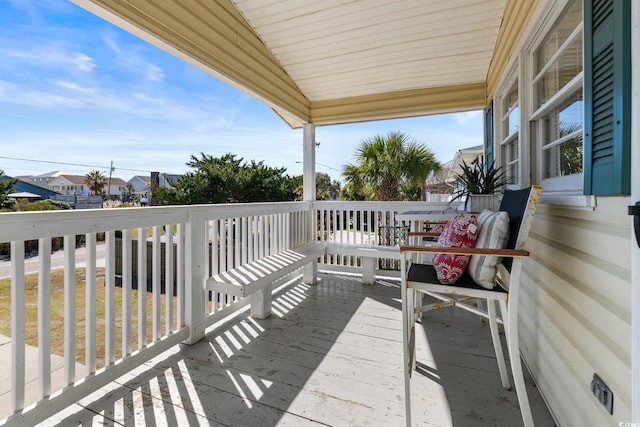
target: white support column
<point>309,162</point>
<point>310,271</point>
<point>635,196</point>
<point>195,276</point>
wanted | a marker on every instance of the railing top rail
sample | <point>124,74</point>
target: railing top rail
<point>380,205</point>
<point>34,225</point>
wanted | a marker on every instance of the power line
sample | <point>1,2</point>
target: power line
<point>72,164</point>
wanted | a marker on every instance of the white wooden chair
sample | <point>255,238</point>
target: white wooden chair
<point>418,279</point>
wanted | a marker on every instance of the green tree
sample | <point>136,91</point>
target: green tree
<point>391,167</point>
<point>96,181</point>
<point>6,186</point>
<point>226,179</point>
<point>326,188</point>
<point>129,195</point>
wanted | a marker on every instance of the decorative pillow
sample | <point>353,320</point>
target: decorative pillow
<point>493,234</point>
<point>460,232</point>
<point>437,228</point>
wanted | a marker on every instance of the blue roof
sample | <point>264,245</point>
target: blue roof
<point>22,186</point>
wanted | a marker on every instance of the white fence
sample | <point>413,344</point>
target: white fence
<point>207,239</point>
<point>367,223</point>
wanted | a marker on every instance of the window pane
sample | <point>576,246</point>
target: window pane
<point>511,161</point>
<point>571,18</point>
<point>562,71</point>
<point>564,158</point>
<point>511,122</point>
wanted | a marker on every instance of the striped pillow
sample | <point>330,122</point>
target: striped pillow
<point>493,234</point>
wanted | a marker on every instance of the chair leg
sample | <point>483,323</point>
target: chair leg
<point>408,317</point>
<point>511,329</point>
<point>497,346</point>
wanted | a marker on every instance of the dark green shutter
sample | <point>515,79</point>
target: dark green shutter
<point>488,135</point>
<point>607,91</point>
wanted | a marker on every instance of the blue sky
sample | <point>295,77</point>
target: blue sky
<point>76,89</point>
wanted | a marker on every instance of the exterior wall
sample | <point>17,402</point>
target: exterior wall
<point>576,310</point>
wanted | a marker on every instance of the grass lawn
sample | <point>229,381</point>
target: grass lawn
<point>57,314</point>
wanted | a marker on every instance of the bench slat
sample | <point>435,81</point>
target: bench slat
<point>246,279</point>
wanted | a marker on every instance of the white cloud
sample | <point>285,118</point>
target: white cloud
<point>52,55</point>
<point>74,87</point>
<point>464,118</point>
<point>11,93</point>
<point>130,58</point>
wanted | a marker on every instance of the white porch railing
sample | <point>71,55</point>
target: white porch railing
<point>367,223</point>
<point>198,241</point>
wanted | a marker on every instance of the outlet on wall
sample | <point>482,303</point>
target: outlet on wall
<point>602,392</point>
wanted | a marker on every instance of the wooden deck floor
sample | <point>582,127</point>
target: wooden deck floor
<point>330,355</point>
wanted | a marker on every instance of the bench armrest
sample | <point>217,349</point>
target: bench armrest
<point>513,253</point>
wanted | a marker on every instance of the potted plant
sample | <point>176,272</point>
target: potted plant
<point>479,185</point>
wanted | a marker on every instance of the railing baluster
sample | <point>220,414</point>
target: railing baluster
<point>215,260</point>
<point>245,240</point>
<point>109,298</point>
<point>127,269</point>
<point>180,275</point>
<point>69,309</point>
<point>90,304</point>
<point>235,233</point>
<point>44,316</point>
<point>251,230</point>
<point>361,213</point>
<point>223,246</point>
<point>168,279</point>
<point>213,244</point>
<point>142,287</point>
<point>279,232</point>
<point>17,325</point>
<point>231,262</point>
<point>156,265</point>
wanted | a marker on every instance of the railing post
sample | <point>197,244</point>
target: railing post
<point>195,276</point>
<point>310,271</point>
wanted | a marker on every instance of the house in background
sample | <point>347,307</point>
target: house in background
<point>44,179</point>
<point>115,188</point>
<point>27,187</point>
<point>441,186</point>
<point>69,185</point>
<point>141,187</point>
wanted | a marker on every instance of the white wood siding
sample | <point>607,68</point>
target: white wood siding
<point>576,310</point>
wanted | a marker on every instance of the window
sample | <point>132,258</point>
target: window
<point>557,119</point>
<point>509,150</point>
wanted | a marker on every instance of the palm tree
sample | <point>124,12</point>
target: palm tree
<point>96,181</point>
<point>391,167</point>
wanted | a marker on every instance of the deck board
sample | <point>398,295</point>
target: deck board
<point>330,355</point>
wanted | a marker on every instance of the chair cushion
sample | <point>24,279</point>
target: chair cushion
<point>460,232</point>
<point>493,233</point>
<point>427,274</point>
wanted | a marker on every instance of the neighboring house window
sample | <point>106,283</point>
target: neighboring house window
<point>509,144</point>
<point>557,118</point>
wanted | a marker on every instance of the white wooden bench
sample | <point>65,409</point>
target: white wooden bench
<point>369,255</point>
<point>255,278</point>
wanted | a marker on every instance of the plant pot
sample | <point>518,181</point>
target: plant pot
<point>476,203</point>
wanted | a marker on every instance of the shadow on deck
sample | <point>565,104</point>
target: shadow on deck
<point>330,354</point>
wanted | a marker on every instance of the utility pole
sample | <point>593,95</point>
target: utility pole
<point>109,184</point>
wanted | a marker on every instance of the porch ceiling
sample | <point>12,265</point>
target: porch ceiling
<point>331,61</point>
